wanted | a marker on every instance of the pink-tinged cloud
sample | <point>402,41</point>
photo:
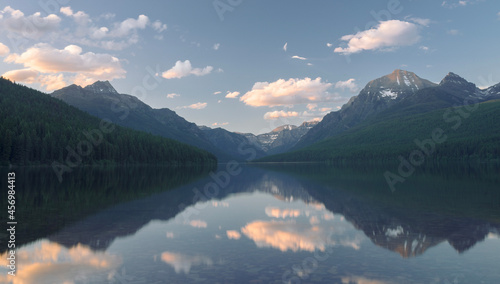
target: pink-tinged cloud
<point>277,114</point>
<point>232,95</point>
<point>195,106</point>
<point>231,234</point>
<point>289,92</point>
<point>4,50</point>
<point>183,68</point>
<point>82,68</point>
<point>387,35</point>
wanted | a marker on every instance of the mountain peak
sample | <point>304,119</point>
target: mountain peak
<point>399,82</point>
<point>455,81</point>
<point>100,87</point>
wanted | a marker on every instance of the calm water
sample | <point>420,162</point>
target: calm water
<point>282,224</point>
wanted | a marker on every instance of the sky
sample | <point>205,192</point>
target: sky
<point>246,65</point>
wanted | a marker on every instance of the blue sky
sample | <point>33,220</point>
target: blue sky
<point>246,65</point>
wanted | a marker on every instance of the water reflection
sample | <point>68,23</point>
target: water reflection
<point>267,222</point>
<point>182,263</point>
<point>49,262</point>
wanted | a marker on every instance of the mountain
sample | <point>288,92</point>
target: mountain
<point>102,100</point>
<point>467,115</point>
<point>377,96</point>
<point>281,139</point>
<point>38,129</point>
<point>233,144</point>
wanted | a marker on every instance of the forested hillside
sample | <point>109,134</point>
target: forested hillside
<point>38,129</point>
<point>461,133</point>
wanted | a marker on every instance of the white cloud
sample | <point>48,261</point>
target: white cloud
<point>289,92</point>
<point>299,57</point>
<point>183,69</point>
<point>349,84</point>
<point>159,26</point>
<point>216,46</point>
<point>453,32</point>
<point>232,95</point>
<point>124,28</point>
<point>218,92</point>
<point>277,114</point>
<point>231,234</point>
<point>498,14</point>
<point>460,3</point>
<point>388,34</point>
<point>309,64</point>
<point>34,26</point>
<point>329,44</point>
<point>195,106</point>
<point>172,95</point>
<point>54,64</point>
<point>4,50</point>
<point>420,21</point>
<point>285,47</point>
<point>424,48</point>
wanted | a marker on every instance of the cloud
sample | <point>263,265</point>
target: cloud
<point>28,75</point>
<point>285,47</point>
<point>218,92</point>
<point>217,124</point>
<point>498,14</point>
<point>232,95</point>
<point>311,106</point>
<point>182,262</point>
<point>460,3</point>
<point>453,32</point>
<point>53,64</point>
<point>198,224</point>
<point>277,114</point>
<point>114,36</point>
<point>388,34</point>
<point>299,57</point>
<point>288,92</point>
<point>195,106</point>
<point>216,46</point>
<point>159,26</point>
<point>172,95</point>
<point>329,44</point>
<point>183,69</point>
<point>420,21</point>
<point>33,27</point>
<point>4,50</point>
<point>349,84</point>
<point>235,235</point>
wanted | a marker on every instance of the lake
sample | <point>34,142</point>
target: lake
<point>256,224</point>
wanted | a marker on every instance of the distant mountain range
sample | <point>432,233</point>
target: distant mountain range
<point>102,100</point>
<point>392,111</point>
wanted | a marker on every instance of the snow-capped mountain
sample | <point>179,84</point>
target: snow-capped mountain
<point>377,96</point>
<point>280,139</point>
